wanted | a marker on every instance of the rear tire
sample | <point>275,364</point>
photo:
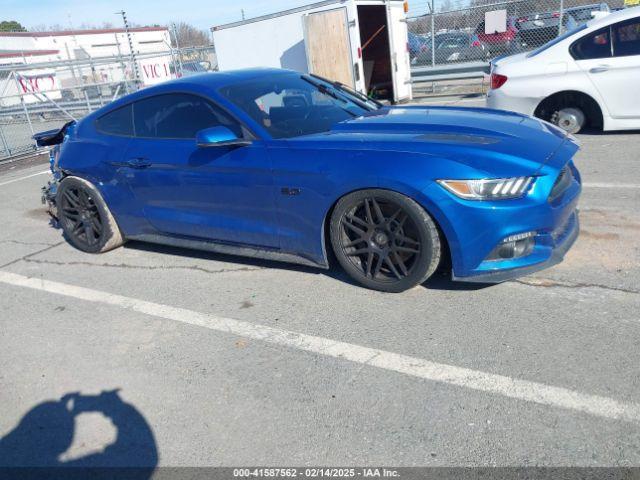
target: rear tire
<point>571,111</point>
<point>570,119</point>
<point>85,218</point>
<point>384,240</point>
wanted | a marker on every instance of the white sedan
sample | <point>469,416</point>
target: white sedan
<point>587,77</point>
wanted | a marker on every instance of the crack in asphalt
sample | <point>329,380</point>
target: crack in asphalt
<point>548,283</point>
<point>28,244</point>
<point>536,282</point>
<point>141,267</point>
<point>27,257</point>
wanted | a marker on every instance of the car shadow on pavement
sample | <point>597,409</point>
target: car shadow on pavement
<point>597,132</point>
<point>33,449</point>
<point>441,280</point>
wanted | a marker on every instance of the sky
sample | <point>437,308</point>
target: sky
<point>202,14</point>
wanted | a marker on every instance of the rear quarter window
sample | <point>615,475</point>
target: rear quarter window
<point>117,122</point>
<point>594,45</point>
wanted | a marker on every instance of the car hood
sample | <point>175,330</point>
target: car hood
<point>492,141</point>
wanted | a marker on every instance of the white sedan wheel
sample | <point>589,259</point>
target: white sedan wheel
<point>570,119</point>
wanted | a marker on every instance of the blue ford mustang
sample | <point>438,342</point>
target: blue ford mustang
<point>271,163</point>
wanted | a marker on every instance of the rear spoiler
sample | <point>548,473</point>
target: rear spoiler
<point>52,137</point>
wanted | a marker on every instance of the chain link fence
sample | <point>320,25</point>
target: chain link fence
<point>35,97</point>
<point>452,32</point>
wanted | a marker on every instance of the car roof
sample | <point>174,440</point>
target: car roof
<point>219,79</point>
<point>207,81</point>
<point>615,17</point>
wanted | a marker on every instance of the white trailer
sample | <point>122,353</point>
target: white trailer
<point>361,43</point>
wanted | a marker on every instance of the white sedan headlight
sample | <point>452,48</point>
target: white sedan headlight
<point>489,189</point>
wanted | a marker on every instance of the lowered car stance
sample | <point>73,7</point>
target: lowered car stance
<point>276,164</point>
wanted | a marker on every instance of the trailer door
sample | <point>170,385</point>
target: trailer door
<point>400,64</point>
<point>328,46</point>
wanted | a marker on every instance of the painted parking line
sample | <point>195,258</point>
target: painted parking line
<point>611,185</point>
<point>19,179</point>
<point>416,367</point>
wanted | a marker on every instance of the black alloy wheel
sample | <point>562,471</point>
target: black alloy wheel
<point>85,218</point>
<point>384,240</point>
<point>81,214</point>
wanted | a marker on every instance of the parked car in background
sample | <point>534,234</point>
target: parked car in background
<point>213,162</point>
<point>587,77</point>
<point>537,29</point>
<point>453,47</point>
<point>82,93</point>
<point>189,68</point>
<point>500,43</point>
<point>417,45</point>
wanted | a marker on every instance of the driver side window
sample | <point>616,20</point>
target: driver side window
<point>177,116</point>
<point>288,105</point>
<point>626,38</point>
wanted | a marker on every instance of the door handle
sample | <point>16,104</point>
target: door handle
<point>599,69</point>
<point>138,162</point>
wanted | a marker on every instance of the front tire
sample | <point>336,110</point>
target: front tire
<point>85,218</point>
<point>384,240</point>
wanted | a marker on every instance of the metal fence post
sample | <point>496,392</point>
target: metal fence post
<point>560,22</point>
<point>433,32</point>
<point>5,145</point>
<point>86,97</point>
<point>175,35</point>
<point>24,105</point>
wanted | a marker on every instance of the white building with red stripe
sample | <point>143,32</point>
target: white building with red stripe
<point>51,61</point>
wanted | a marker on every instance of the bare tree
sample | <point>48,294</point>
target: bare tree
<point>56,27</point>
<point>188,36</point>
<point>446,6</point>
<point>93,26</point>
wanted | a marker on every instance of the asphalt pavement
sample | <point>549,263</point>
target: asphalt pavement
<point>231,361</point>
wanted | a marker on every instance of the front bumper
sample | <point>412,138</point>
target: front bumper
<point>560,241</point>
<point>478,227</point>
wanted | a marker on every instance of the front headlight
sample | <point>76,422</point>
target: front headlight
<point>488,189</point>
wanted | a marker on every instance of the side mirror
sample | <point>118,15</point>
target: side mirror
<point>219,137</point>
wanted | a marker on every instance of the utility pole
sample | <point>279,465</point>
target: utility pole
<point>122,64</point>
<point>134,63</point>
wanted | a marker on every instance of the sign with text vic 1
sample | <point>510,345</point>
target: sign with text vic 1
<point>155,70</point>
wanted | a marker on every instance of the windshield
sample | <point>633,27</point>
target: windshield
<point>352,94</point>
<point>293,105</point>
<point>555,41</point>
